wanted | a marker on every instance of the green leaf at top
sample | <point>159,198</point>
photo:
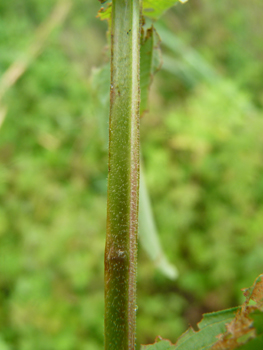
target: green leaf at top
<point>150,8</point>
<point>155,8</point>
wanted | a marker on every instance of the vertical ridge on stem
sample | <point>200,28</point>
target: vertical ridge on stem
<point>123,179</point>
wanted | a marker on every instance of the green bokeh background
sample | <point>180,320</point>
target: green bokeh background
<point>202,148</point>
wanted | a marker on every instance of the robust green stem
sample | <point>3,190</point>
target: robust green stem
<point>123,179</point>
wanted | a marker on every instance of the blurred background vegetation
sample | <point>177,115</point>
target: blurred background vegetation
<point>202,149</point>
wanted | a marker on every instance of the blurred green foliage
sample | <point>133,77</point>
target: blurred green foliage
<point>202,148</point>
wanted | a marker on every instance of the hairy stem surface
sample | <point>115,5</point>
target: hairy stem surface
<point>123,179</point>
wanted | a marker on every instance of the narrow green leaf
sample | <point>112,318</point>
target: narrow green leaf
<point>148,234</point>
<point>185,61</point>
<point>150,63</point>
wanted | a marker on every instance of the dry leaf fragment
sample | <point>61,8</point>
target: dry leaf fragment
<point>241,328</point>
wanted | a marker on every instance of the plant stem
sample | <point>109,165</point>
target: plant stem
<point>123,179</point>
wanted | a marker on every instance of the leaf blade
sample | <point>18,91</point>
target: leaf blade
<point>239,327</point>
<point>154,9</point>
